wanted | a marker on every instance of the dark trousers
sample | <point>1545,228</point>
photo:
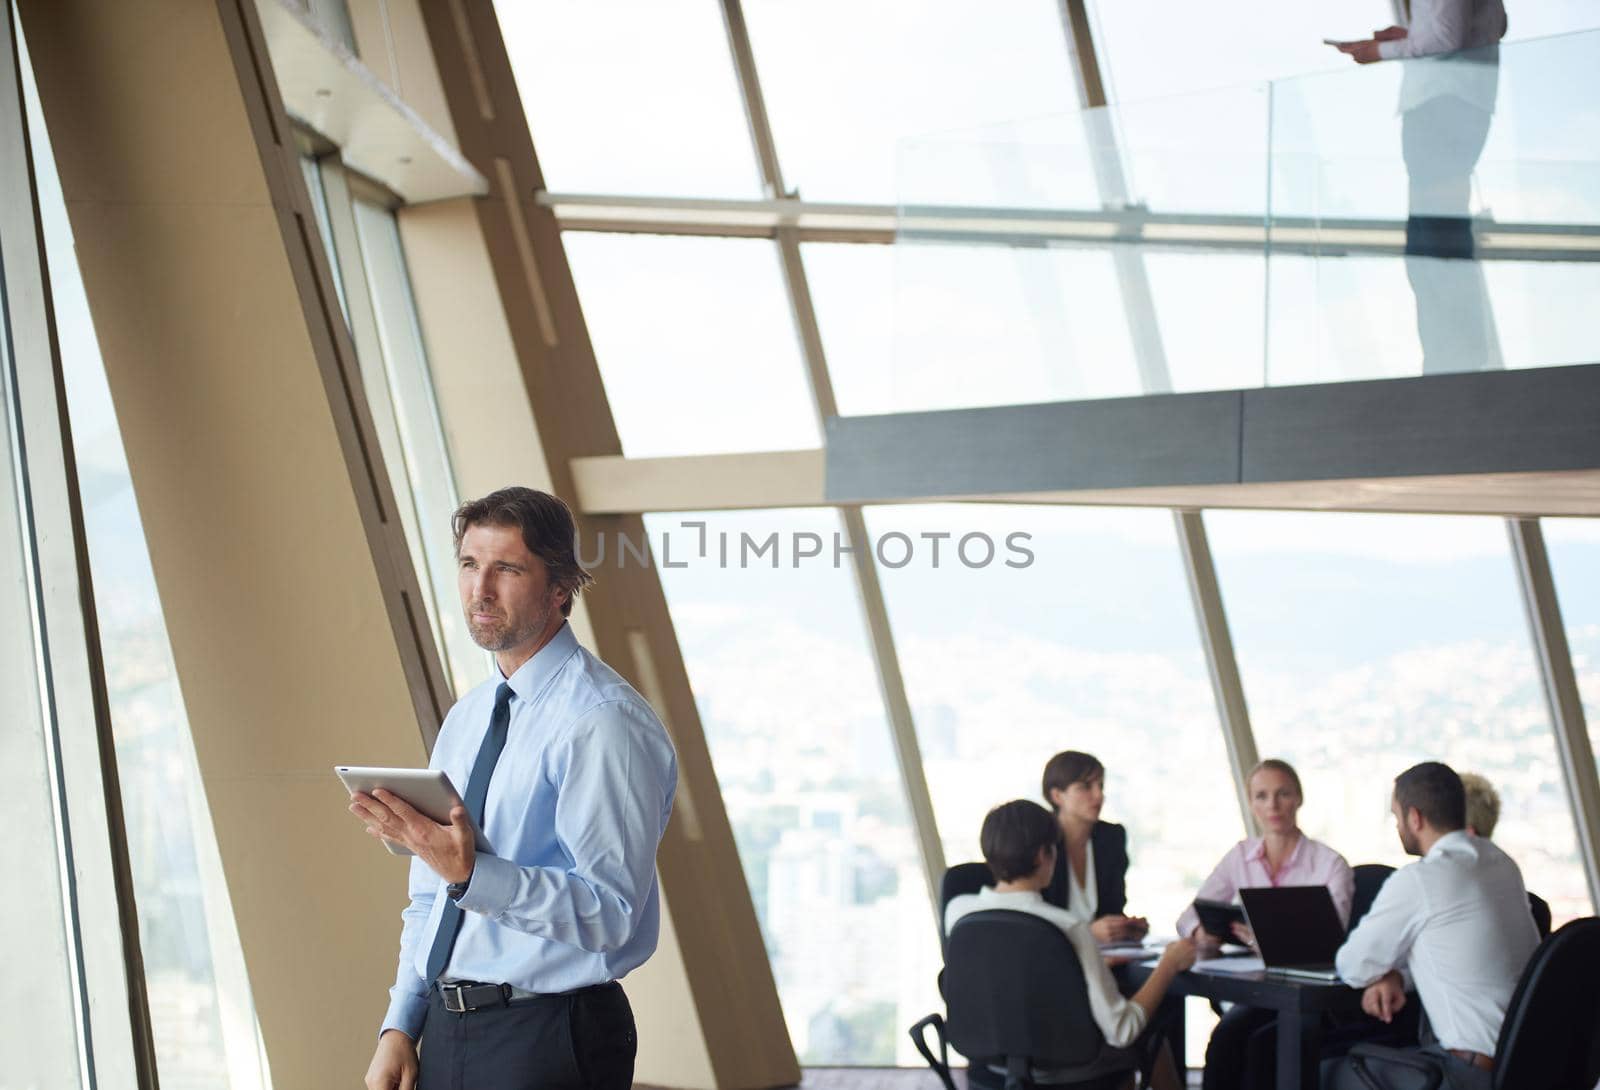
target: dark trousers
<point>582,1040</point>
<point>1243,1050</point>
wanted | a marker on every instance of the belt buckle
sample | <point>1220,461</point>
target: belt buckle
<point>502,996</point>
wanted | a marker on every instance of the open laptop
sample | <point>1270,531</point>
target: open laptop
<point>1297,929</point>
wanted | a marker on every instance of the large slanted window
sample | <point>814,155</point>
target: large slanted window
<point>1368,643</point>
<point>782,676</point>
<point>199,994</point>
<point>1574,546</point>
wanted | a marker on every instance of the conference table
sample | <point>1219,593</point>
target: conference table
<point>1300,1005</point>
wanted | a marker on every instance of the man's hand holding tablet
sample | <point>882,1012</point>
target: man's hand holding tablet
<point>428,821</point>
<point>447,849</point>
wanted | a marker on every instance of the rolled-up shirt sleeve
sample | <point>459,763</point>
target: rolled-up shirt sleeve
<point>616,776</point>
<point>1382,940</point>
<point>1435,26</point>
<point>1119,1019</point>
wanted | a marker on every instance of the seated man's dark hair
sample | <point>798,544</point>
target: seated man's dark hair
<point>1013,835</point>
<point>1433,790</point>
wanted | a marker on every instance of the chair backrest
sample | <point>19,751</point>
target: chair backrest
<point>1551,1035</point>
<point>1369,880</point>
<point>963,878</point>
<point>1014,987</point>
<point>1541,914</point>
<point>959,879</point>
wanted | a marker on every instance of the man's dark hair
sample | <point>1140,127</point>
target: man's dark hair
<point>1013,835</point>
<point>1067,768</point>
<point>547,529</point>
<point>1433,790</point>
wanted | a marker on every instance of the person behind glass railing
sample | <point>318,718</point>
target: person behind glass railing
<point>1242,1049</point>
<point>1446,107</point>
<point>1091,873</point>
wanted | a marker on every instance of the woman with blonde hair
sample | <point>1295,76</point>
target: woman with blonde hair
<point>1243,1042</point>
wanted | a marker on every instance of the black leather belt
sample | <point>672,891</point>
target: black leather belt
<point>464,996</point>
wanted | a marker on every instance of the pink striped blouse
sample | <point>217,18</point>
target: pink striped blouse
<point>1312,863</point>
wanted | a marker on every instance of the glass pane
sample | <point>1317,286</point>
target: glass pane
<point>1574,546</point>
<point>1154,49</point>
<point>998,325</point>
<point>204,1021</point>
<point>695,342</point>
<point>852,290</point>
<point>39,1036</point>
<point>400,391</point>
<point>898,69</point>
<point>782,676</point>
<point>312,173</point>
<point>1023,631</point>
<point>1189,291</point>
<point>631,96</point>
<point>1368,643</point>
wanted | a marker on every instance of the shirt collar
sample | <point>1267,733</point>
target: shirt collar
<point>532,676</point>
<point>1458,842</point>
<point>1257,850</point>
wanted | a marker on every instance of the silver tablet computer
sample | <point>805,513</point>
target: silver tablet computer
<point>428,790</point>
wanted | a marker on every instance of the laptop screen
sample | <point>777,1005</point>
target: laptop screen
<point>1294,925</point>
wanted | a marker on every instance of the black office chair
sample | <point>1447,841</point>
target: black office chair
<point>1017,1007</point>
<point>1541,914</point>
<point>1551,1034</point>
<point>1369,880</point>
<point>960,879</point>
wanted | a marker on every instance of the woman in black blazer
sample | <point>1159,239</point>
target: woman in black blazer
<point>1091,876</point>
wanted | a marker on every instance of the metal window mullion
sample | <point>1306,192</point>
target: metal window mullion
<point>1573,747</point>
<point>1217,642</point>
<point>886,659</point>
<point>1139,310</point>
<point>116,1040</point>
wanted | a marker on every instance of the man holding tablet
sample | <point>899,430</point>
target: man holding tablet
<point>509,962</point>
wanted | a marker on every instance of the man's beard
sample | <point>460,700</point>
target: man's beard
<point>499,635</point>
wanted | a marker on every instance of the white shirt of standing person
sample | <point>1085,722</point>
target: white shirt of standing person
<point>1456,924</point>
<point>1432,29</point>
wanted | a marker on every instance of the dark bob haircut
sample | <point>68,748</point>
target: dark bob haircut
<point>1013,835</point>
<point>1067,768</point>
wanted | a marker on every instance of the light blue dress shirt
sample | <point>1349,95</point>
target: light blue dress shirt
<point>575,812</point>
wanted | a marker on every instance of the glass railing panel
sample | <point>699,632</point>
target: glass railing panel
<point>1432,215</point>
<point>1404,218</point>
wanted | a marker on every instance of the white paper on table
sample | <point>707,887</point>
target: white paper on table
<point>1230,965</point>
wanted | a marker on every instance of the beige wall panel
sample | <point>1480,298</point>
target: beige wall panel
<point>270,560</point>
<point>671,1039</point>
<point>488,427</point>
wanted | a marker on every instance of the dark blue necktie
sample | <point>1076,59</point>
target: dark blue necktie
<point>477,792</point>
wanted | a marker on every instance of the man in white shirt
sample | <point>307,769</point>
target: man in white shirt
<point>1446,103</point>
<point>1456,924</point>
<point>1019,843</point>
